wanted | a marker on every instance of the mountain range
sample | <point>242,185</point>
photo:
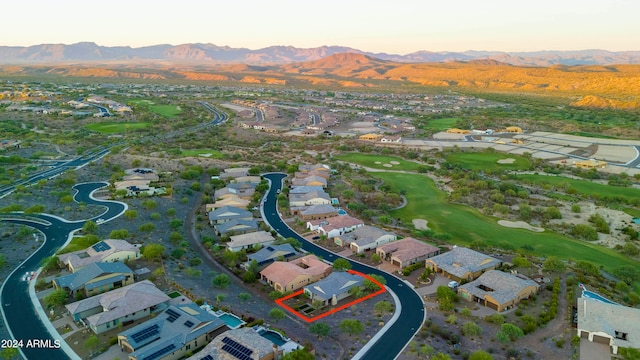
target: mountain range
<point>213,54</point>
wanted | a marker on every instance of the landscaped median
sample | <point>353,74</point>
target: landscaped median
<point>282,301</point>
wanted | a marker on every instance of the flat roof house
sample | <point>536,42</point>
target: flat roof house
<point>611,324</point>
<point>406,251</point>
<point>245,341</point>
<point>121,306</point>
<point>461,263</point>
<point>109,250</point>
<point>95,278</point>
<point>245,241</point>
<point>171,334</point>
<point>335,226</point>
<point>365,238</point>
<point>333,288</point>
<point>293,275</point>
<point>498,290</point>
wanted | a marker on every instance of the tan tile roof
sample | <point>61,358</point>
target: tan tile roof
<point>408,249</point>
<point>283,273</point>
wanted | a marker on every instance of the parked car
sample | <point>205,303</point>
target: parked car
<point>453,284</point>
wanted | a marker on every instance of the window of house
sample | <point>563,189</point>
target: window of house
<point>621,335</point>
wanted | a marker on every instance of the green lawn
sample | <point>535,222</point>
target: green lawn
<point>583,187</point>
<point>214,154</point>
<point>442,124</point>
<point>488,161</point>
<point>370,161</point>
<point>467,224</point>
<point>114,128</point>
<point>141,102</point>
<point>167,111</point>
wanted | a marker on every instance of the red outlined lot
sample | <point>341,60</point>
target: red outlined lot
<point>281,300</point>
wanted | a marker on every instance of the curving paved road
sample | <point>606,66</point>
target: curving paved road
<point>412,312</point>
<point>20,316</point>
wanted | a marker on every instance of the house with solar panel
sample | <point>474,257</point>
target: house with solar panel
<point>170,335</point>
<point>123,306</point>
<point>271,253</point>
<point>95,279</point>
<point>109,250</point>
<point>239,344</point>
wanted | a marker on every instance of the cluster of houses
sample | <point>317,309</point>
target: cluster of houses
<point>175,326</point>
<point>229,215</point>
<point>137,182</point>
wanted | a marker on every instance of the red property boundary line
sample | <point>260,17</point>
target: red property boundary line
<point>281,300</point>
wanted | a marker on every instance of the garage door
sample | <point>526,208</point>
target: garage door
<point>601,339</point>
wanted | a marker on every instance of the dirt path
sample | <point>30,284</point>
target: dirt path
<point>539,342</point>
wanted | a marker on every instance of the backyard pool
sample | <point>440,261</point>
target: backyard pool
<point>341,212</point>
<point>272,336</point>
<point>595,296</point>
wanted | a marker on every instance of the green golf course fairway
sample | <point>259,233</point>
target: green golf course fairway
<point>370,161</point>
<point>466,224</point>
<point>115,128</point>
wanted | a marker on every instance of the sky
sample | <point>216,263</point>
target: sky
<point>398,26</point>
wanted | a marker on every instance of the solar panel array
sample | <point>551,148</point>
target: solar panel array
<point>101,246</point>
<point>236,349</point>
<point>165,350</point>
<point>188,323</point>
<point>208,357</point>
<point>146,333</point>
<point>172,315</point>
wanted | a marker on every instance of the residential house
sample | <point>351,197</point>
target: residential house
<point>141,174</point>
<point>233,201</point>
<point>308,199</point>
<point>305,189</point>
<point>323,173</point>
<point>335,226</point>
<point>109,250</point>
<point>498,290</point>
<point>233,173</point>
<point>170,335</point>
<point>242,190</point>
<point>271,253</point>
<point>611,324</point>
<point>391,139</point>
<point>121,306</point>
<point>364,238</point>
<point>227,213</point>
<point>311,180</point>
<point>333,288</point>
<point>95,278</point>
<point>315,212</point>
<point>236,226</point>
<point>243,343</point>
<point>461,263</point>
<point>293,275</point>
<point>246,241</point>
<point>370,137</point>
<point>310,168</point>
<point>405,252</point>
<point>247,179</point>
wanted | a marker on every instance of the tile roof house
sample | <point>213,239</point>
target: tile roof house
<point>245,241</point>
<point>406,251</point>
<point>335,226</point>
<point>310,198</point>
<point>171,334</point>
<point>498,290</point>
<point>232,201</point>
<point>365,238</point>
<point>237,226</point>
<point>271,253</point>
<point>226,213</point>
<point>95,278</point>
<point>233,173</point>
<point>293,275</point>
<point>120,306</point>
<point>315,212</point>
<point>333,288</point>
<point>108,250</point>
<point>611,324</point>
<point>461,263</point>
<point>304,189</point>
<point>245,341</point>
<point>245,193</point>
<point>311,180</point>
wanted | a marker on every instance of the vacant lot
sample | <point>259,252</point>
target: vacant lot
<point>582,187</point>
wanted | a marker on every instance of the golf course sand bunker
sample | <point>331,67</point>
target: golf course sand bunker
<point>520,225</point>
<point>506,161</point>
<point>420,224</point>
<point>387,165</point>
<point>394,162</point>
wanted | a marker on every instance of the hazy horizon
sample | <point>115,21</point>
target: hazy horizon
<point>378,26</point>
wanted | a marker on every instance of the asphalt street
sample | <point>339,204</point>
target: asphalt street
<point>412,312</point>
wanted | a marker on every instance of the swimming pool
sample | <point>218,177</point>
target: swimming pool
<point>272,336</point>
<point>341,212</point>
<point>591,295</point>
